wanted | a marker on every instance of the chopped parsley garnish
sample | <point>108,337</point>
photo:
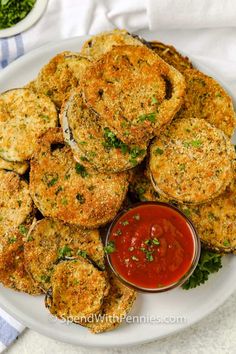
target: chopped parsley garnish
<point>194,143</point>
<point>64,201</point>
<point>154,100</point>
<point>81,170</point>
<point>187,212</point>
<point>226,243</point>
<point>80,198</point>
<point>125,222</point>
<point>155,241</point>
<point>44,117</point>
<point>158,151</point>
<point>12,240</point>
<point>23,230</point>
<point>111,141</point>
<point>182,167</point>
<point>45,278</point>
<point>13,11</point>
<point>151,117</point>
<point>82,253</point>
<point>209,262</point>
<point>118,232</point>
<point>65,251</point>
<point>110,247</point>
<point>50,179</point>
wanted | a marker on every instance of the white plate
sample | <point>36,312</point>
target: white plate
<point>173,306</point>
<point>32,17</point>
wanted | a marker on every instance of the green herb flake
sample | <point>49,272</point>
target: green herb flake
<point>158,151</point>
<point>64,201</point>
<point>82,253</point>
<point>154,100</point>
<point>182,167</point>
<point>151,117</point>
<point>118,233</point>
<point>111,141</point>
<point>187,212</point>
<point>149,256</point>
<point>65,251</point>
<point>147,242</point>
<point>12,240</point>
<point>23,230</point>
<point>209,262</point>
<point>110,247</point>
<point>155,241</point>
<point>80,198</point>
<point>193,143</point>
<point>45,278</point>
<point>226,243</point>
<point>124,223</point>
<point>81,170</point>
<point>45,117</point>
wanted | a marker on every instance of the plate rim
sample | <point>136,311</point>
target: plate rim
<point>30,321</point>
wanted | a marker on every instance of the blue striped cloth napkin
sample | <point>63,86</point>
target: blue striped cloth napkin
<point>10,49</point>
<point>9,330</point>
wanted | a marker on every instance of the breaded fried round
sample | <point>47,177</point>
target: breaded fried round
<point>13,274</point>
<point>191,161</point>
<point>171,56</point>
<point>103,42</point>
<point>129,88</point>
<point>94,145</point>
<point>206,98</point>
<point>60,75</point>
<point>51,240</point>
<point>18,167</point>
<point>116,306</point>
<point>63,189</point>
<point>24,116</point>
<point>15,201</point>
<point>216,221</point>
<point>77,291</point>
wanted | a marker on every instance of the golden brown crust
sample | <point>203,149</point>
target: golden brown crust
<point>216,221</point>
<point>24,116</point>
<point>95,145</point>
<point>50,240</point>
<point>205,98</point>
<point>18,167</point>
<point>116,306</point>
<point>58,77</point>
<point>191,162</point>
<point>13,274</point>
<point>130,101</point>
<point>78,290</point>
<point>62,189</point>
<point>171,56</point>
<point>15,201</point>
<point>100,44</point>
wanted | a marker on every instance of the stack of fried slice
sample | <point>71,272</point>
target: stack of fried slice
<point>83,125</point>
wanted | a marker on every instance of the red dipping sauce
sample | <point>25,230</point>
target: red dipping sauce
<point>152,246</point>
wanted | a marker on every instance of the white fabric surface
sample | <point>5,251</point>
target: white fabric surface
<point>203,28</point>
<point>182,14</point>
